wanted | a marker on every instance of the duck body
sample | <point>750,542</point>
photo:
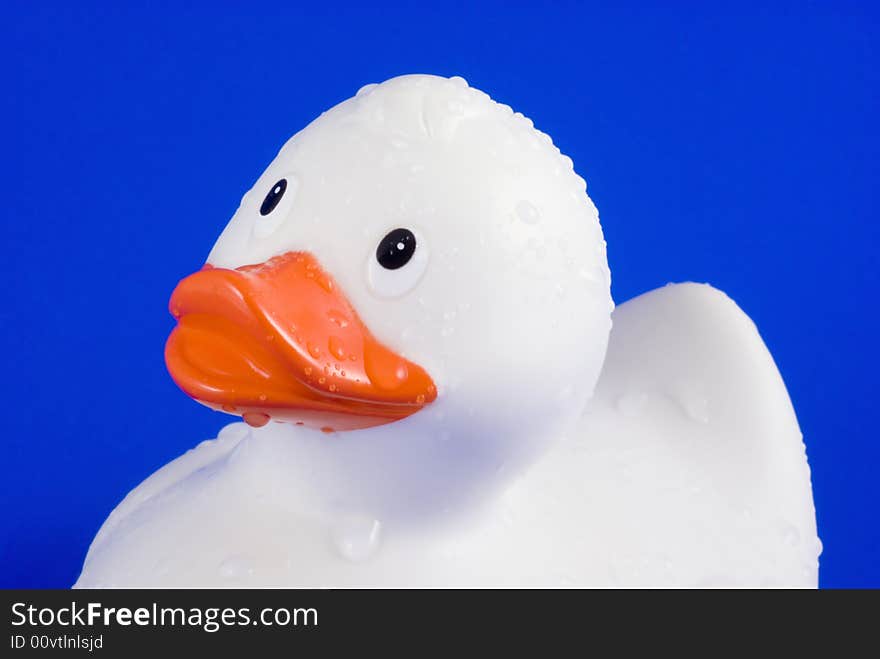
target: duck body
<point>695,480</point>
<point>441,416</point>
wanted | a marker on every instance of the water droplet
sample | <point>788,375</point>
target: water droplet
<point>385,373</point>
<point>255,419</point>
<point>325,282</point>
<point>357,537</point>
<point>314,350</point>
<point>790,535</point>
<point>334,344</point>
<point>696,406</point>
<point>338,318</point>
<point>527,212</point>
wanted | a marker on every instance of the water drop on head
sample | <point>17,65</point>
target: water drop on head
<point>527,212</point>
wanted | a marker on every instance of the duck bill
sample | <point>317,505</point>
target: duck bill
<point>279,340</point>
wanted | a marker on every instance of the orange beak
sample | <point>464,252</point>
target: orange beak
<point>279,340</point>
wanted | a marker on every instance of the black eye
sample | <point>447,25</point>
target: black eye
<point>396,249</point>
<point>274,196</point>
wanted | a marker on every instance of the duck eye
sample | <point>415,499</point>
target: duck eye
<point>274,197</point>
<point>386,273</point>
<point>396,249</point>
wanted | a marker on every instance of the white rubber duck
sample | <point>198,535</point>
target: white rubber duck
<point>417,290</point>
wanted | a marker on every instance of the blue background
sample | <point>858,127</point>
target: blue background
<point>737,146</point>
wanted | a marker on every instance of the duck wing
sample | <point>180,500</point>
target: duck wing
<point>694,445</point>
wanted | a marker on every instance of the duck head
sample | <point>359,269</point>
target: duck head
<point>418,256</point>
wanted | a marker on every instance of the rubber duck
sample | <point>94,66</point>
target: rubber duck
<point>411,313</point>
